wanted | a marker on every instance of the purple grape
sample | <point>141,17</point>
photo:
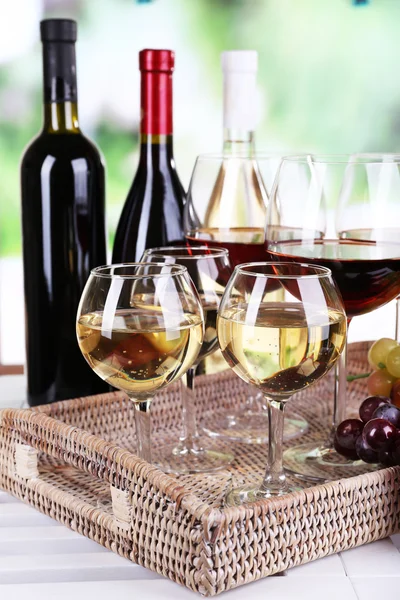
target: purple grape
<point>369,405</point>
<point>347,433</point>
<point>379,434</point>
<point>351,454</point>
<point>389,412</point>
<point>366,453</point>
<point>387,458</point>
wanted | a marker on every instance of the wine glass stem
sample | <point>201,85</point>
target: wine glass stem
<point>340,390</point>
<point>190,434</point>
<point>398,319</point>
<point>142,420</point>
<point>275,479</point>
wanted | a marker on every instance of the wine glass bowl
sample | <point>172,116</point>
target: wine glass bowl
<point>139,346</point>
<point>279,347</point>
<point>227,200</point>
<point>374,216</point>
<point>366,272</point>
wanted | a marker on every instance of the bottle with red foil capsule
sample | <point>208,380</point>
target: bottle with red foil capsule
<point>152,214</point>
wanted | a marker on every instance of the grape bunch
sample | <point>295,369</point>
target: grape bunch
<point>384,358</point>
<point>375,436</point>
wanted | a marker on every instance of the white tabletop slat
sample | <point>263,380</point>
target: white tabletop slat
<point>271,588</point>
<point>362,562</point>
<point>7,498</point>
<point>69,567</point>
<point>44,540</point>
<point>21,515</point>
<point>41,559</point>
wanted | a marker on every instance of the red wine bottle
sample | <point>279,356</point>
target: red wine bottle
<point>152,214</point>
<point>63,226</point>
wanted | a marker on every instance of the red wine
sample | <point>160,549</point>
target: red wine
<point>244,244</point>
<point>152,214</point>
<point>63,225</point>
<point>366,273</point>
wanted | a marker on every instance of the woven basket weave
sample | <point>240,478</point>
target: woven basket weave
<point>75,462</point>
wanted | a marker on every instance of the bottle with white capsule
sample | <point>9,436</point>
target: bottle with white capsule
<point>238,201</point>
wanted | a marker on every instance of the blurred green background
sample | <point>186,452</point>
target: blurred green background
<point>328,79</point>
<point>328,82</point>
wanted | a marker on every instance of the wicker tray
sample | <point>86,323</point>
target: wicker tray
<point>75,462</point>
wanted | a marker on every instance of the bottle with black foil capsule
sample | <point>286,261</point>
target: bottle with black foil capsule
<point>63,227</point>
<point>152,214</point>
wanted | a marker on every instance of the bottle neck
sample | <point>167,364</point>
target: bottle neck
<point>61,117</point>
<point>59,88</point>
<point>239,111</point>
<point>156,149</point>
<point>156,105</point>
<point>237,141</point>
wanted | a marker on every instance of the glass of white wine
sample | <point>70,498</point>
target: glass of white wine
<point>140,348</point>
<point>281,347</point>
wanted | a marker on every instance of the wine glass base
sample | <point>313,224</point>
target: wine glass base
<point>252,493</point>
<point>320,463</point>
<point>250,426</point>
<point>171,459</point>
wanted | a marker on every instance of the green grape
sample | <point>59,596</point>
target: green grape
<point>393,362</point>
<point>379,351</point>
<point>379,383</point>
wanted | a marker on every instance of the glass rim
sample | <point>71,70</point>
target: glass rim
<point>358,158</point>
<point>320,271</point>
<point>262,155</point>
<point>212,252</point>
<point>100,271</point>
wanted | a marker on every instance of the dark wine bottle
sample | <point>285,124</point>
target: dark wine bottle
<point>152,214</point>
<point>63,227</point>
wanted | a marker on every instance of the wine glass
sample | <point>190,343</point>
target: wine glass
<point>372,216</point>
<point>280,347</point>
<point>226,207</point>
<point>209,269</point>
<point>140,347</point>
<point>366,272</point>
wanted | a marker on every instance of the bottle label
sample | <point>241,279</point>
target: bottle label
<point>156,103</point>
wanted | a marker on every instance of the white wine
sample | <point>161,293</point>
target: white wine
<point>140,350</point>
<point>239,198</point>
<point>209,302</point>
<point>281,348</point>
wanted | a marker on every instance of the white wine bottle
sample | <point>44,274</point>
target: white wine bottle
<point>238,201</point>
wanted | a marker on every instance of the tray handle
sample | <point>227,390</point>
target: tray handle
<point>105,460</point>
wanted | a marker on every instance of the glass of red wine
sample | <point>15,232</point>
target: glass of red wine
<point>366,271</point>
<point>210,270</point>
<point>375,217</point>
<point>226,207</point>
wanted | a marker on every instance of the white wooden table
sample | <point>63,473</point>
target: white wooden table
<point>43,560</point>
